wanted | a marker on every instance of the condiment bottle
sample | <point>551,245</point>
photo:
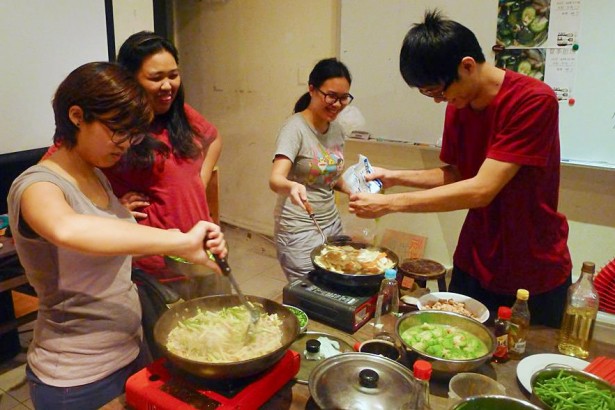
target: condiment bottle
<point>387,304</point>
<point>519,325</point>
<point>502,328</point>
<point>422,372</point>
<point>579,315</point>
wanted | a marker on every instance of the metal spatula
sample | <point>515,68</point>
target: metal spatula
<point>226,271</point>
<point>310,212</point>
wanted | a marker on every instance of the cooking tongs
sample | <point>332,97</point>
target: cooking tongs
<point>310,212</point>
<point>226,271</point>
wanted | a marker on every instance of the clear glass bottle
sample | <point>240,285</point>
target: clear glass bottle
<point>502,328</point>
<point>387,304</point>
<point>422,372</point>
<point>519,325</point>
<point>579,315</point>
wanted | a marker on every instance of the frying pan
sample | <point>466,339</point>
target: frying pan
<point>350,280</point>
<point>233,370</point>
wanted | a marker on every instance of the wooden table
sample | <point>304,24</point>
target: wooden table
<point>296,396</point>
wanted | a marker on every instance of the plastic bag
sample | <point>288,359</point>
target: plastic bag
<point>354,177</point>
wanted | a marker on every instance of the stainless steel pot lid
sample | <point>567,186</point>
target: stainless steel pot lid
<point>299,346</point>
<point>361,381</point>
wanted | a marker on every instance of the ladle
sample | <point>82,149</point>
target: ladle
<point>310,212</point>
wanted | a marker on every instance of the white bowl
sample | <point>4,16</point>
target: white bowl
<point>478,309</point>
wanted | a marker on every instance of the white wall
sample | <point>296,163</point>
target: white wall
<point>240,62</point>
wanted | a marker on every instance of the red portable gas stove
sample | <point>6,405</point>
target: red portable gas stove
<point>162,386</point>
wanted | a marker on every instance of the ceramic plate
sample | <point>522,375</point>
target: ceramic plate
<point>531,364</point>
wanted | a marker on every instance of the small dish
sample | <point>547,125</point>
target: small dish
<point>302,317</point>
<point>531,364</point>
<point>479,310</point>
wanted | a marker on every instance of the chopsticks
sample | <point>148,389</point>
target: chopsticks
<point>603,367</point>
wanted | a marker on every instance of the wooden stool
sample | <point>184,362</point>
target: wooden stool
<point>422,270</point>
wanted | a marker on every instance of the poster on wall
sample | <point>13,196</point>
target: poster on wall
<point>539,38</point>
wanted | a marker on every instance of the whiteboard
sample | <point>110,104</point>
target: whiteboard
<point>370,40</point>
<point>42,42</point>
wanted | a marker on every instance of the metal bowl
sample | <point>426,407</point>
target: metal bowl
<point>551,372</point>
<point>493,403</point>
<point>446,367</point>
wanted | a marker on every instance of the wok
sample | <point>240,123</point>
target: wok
<point>350,280</point>
<point>234,370</point>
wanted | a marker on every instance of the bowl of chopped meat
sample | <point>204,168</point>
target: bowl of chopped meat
<point>454,302</point>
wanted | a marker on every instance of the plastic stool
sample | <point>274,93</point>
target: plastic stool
<point>422,270</point>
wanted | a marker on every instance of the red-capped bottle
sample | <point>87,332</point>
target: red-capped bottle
<point>422,372</point>
<point>502,328</point>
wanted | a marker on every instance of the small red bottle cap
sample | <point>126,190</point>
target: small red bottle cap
<point>504,312</point>
<point>422,369</point>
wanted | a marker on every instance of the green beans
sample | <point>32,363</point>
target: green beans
<point>568,392</point>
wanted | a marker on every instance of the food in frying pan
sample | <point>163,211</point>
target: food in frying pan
<point>350,260</point>
<point>220,337</point>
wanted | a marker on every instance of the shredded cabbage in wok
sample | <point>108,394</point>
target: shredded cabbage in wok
<point>220,337</point>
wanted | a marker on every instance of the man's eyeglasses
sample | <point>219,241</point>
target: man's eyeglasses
<point>436,92</point>
<point>332,98</point>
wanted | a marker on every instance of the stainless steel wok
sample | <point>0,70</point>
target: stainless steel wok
<point>215,371</point>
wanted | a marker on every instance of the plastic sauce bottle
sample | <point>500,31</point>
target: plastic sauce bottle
<point>502,328</point>
<point>422,372</point>
<point>387,304</point>
<point>579,315</point>
<point>519,325</point>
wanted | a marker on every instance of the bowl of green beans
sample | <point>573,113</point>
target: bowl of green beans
<point>561,389</point>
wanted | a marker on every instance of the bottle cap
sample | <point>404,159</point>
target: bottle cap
<point>422,369</point>
<point>504,312</point>
<point>523,294</point>
<point>588,267</point>
<point>390,274</point>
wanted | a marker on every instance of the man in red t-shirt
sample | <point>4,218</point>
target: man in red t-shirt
<point>501,147</point>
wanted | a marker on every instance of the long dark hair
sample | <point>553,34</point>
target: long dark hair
<point>105,92</point>
<point>132,53</point>
<point>322,71</point>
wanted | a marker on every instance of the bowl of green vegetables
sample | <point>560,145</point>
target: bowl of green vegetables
<point>302,317</point>
<point>559,388</point>
<point>452,342</point>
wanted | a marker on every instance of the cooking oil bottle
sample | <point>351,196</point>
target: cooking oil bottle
<point>580,315</point>
<point>519,325</point>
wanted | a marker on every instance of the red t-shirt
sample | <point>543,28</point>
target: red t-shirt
<point>174,186</point>
<point>519,239</point>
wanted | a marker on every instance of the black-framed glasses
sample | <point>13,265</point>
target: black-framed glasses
<point>118,137</point>
<point>332,98</point>
<point>436,92</point>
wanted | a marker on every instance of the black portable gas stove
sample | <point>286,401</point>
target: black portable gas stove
<point>162,386</point>
<point>344,308</point>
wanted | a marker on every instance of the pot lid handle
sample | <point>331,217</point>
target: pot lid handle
<point>368,378</point>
